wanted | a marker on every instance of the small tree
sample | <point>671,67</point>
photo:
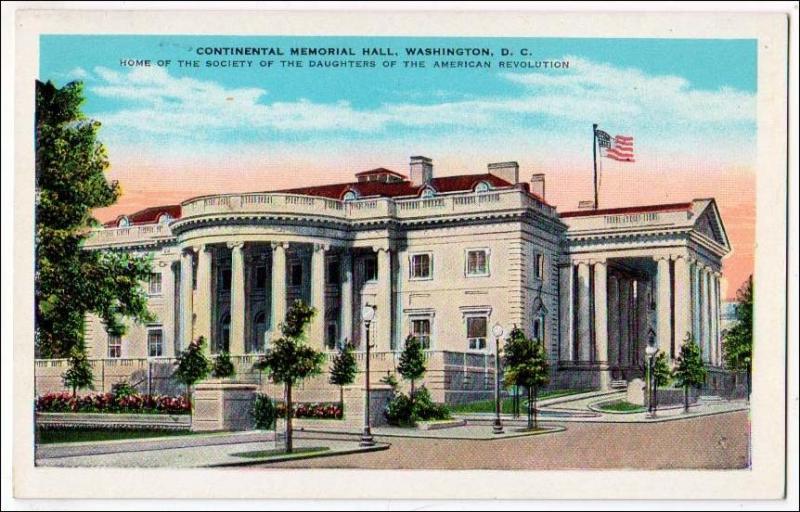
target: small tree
<point>192,366</point>
<point>662,375</point>
<point>223,366</point>
<point>737,347</point>
<point>343,369</point>
<point>79,373</point>
<point>290,360</point>
<point>412,362</point>
<point>526,365</point>
<point>690,370</point>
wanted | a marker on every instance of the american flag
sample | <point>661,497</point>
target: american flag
<point>618,148</point>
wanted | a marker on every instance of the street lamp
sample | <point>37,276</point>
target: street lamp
<point>651,350</point>
<point>367,314</point>
<point>498,332</point>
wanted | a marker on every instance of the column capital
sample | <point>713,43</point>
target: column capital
<point>281,245</point>
<point>662,257</point>
<point>322,247</point>
<point>235,245</point>
<point>381,248</point>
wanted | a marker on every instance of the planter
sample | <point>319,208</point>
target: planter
<point>223,405</point>
<point>113,420</point>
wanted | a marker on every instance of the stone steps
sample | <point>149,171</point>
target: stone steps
<point>619,384</point>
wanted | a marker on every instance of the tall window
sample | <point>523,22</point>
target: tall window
<point>421,266</point>
<point>223,343</point>
<point>370,268</point>
<point>259,328</point>
<point>421,329</point>
<point>332,272</point>
<point>225,279</point>
<point>114,345</point>
<point>155,343</point>
<point>538,265</point>
<point>331,335</point>
<point>296,274</point>
<point>261,277</point>
<point>477,262</point>
<point>154,284</point>
<point>538,328</point>
<point>476,332</point>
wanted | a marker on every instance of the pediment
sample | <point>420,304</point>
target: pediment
<point>709,223</point>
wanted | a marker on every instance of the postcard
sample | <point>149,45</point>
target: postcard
<point>400,255</point>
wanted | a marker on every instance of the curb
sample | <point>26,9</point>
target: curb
<point>284,458</point>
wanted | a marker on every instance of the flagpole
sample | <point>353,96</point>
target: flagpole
<point>594,157</point>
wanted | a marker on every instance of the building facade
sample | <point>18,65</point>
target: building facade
<point>440,258</point>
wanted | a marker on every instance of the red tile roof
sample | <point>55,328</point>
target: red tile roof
<point>631,209</point>
<point>381,170</point>
<point>149,215</point>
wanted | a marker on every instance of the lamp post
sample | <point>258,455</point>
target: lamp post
<point>367,314</point>
<point>498,332</point>
<point>650,350</point>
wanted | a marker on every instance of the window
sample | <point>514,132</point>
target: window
<point>477,262</point>
<point>332,272</point>
<point>538,265</point>
<point>123,222</point>
<point>225,279</point>
<point>370,268</point>
<point>349,196</point>
<point>427,193</point>
<point>223,343</point>
<point>331,335</point>
<point>155,343</point>
<point>154,285</point>
<point>114,345</point>
<point>296,274</point>
<point>261,278</point>
<point>164,218</point>
<point>259,329</point>
<point>476,332</point>
<point>421,329</point>
<point>482,187</point>
<point>421,266</point>
<point>538,331</point>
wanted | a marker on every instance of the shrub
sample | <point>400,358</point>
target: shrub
<point>223,366</point>
<point>402,411</point>
<point>313,410</point>
<point>426,408</point>
<point>264,412</point>
<point>123,388</point>
<point>111,403</point>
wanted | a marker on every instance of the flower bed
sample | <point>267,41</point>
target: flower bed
<point>111,403</point>
<point>317,411</point>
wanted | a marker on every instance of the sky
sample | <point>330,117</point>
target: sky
<point>174,132</point>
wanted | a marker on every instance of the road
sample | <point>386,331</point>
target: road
<point>709,442</point>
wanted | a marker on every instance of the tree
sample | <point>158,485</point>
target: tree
<point>290,360</point>
<point>343,369</point>
<point>412,362</point>
<point>223,366</point>
<point>690,370</point>
<point>526,365</point>
<point>662,375</point>
<point>737,347</point>
<point>79,373</point>
<point>70,182</point>
<point>192,366</point>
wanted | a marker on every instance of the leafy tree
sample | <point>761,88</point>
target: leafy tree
<point>737,347</point>
<point>526,365</point>
<point>223,366</point>
<point>343,369</point>
<point>690,370</point>
<point>79,373</point>
<point>192,366</point>
<point>412,362</point>
<point>290,360</point>
<point>70,182</point>
<point>662,375</point>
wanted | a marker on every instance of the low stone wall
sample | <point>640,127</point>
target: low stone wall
<point>221,405</point>
<point>110,420</point>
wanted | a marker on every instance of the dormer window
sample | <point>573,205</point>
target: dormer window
<point>164,218</point>
<point>482,187</point>
<point>427,193</point>
<point>350,195</point>
<point>123,222</point>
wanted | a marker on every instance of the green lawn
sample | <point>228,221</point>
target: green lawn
<point>508,403</point>
<point>260,454</point>
<point>621,406</point>
<point>79,435</point>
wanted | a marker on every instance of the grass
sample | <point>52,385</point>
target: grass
<point>508,403</point>
<point>621,406</point>
<point>260,454</point>
<point>80,435</point>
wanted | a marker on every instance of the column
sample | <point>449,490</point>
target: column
<point>696,331</point>
<point>278,285</point>
<point>705,318</point>
<point>238,304</point>
<point>203,298</point>
<point>186,308</point>
<point>601,322</point>
<point>625,297</point>
<point>715,350</point>
<point>383,315</point>
<point>168,294</point>
<point>613,320</point>
<point>346,306</point>
<point>683,302</point>
<point>584,328</point>
<point>316,335</point>
<point>565,276</point>
<point>663,310</point>
<point>642,316</point>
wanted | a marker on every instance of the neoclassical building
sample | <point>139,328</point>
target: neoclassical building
<point>442,258</point>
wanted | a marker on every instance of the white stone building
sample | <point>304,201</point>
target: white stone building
<point>444,258</point>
